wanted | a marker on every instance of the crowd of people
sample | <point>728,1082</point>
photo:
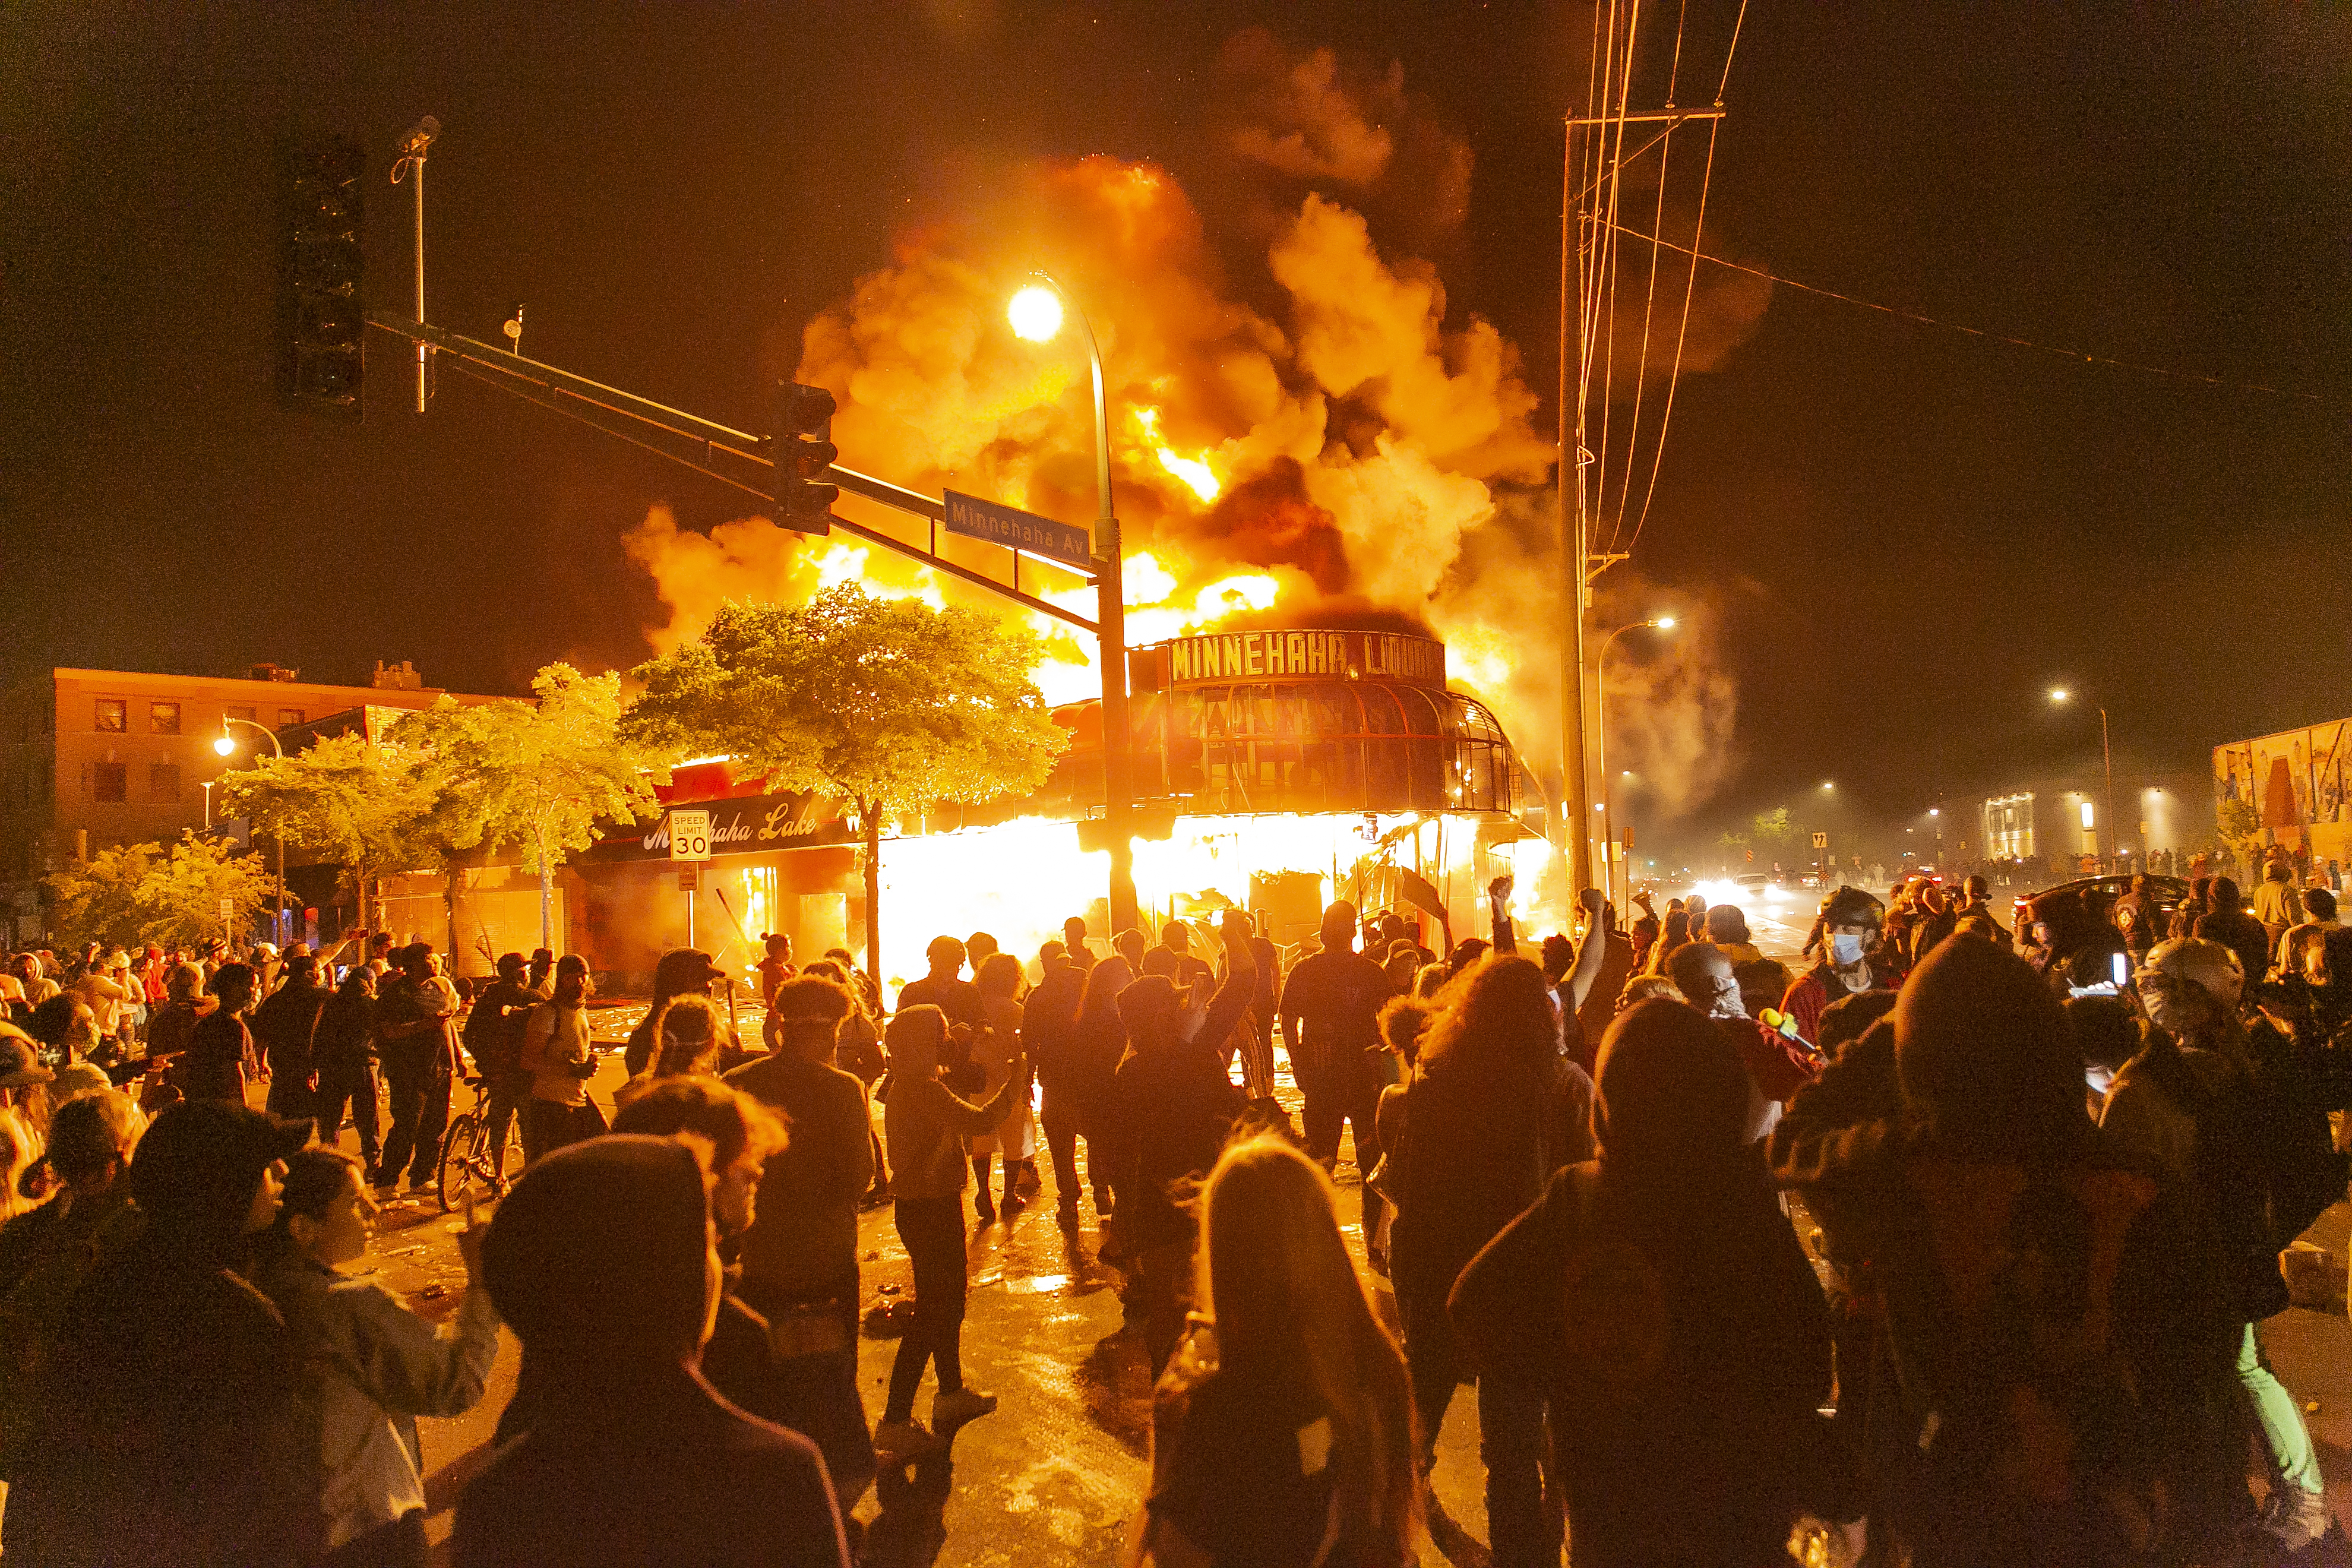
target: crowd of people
<point>1948,1248</point>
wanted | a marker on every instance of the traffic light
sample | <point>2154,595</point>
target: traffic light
<point>322,312</point>
<point>802,451</point>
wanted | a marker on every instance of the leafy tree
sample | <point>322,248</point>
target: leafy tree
<point>98,900</point>
<point>1772,826</point>
<point>181,894</point>
<point>885,703</point>
<point>345,800</point>
<point>536,775</point>
<point>2241,822</point>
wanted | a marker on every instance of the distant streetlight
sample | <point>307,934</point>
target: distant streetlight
<point>227,746</point>
<point>1035,313</point>
<point>1600,737</point>
<point>1829,784</point>
<point>2107,756</point>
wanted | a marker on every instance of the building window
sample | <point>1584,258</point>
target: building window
<point>288,716</point>
<point>113,715</point>
<point>106,781</point>
<point>163,717</point>
<point>245,713</point>
<point>162,781</point>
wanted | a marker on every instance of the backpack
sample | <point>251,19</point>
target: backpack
<point>491,1042</point>
<point>2297,1080</point>
<point>2024,1437</point>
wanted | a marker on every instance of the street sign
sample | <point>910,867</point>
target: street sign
<point>689,879</point>
<point>689,836</point>
<point>228,912</point>
<point>1820,840</point>
<point>1009,525</point>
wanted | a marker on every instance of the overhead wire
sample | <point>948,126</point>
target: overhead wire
<point>1605,326</point>
<point>1649,303</point>
<point>1690,285</point>
<point>2078,356</point>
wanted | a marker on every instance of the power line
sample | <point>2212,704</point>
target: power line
<point>2014,341</point>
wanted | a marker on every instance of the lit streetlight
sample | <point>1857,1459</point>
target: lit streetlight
<point>227,746</point>
<point>1601,739</point>
<point>1035,313</point>
<point>2060,695</point>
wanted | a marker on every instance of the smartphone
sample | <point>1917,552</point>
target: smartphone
<point>2121,969</point>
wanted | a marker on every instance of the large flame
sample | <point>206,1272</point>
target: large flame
<point>1331,444</point>
<point>1020,881</point>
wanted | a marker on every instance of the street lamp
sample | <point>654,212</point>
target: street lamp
<point>227,746</point>
<point>2060,695</point>
<point>1035,313</point>
<point>1601,739</point>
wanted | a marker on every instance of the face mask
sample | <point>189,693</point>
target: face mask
<point>1845,949</point>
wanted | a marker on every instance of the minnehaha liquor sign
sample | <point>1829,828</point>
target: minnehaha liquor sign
<point>1288,656</point>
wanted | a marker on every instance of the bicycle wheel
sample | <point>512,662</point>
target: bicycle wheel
<point>456,1161</point>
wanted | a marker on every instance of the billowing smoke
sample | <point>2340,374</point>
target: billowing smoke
<point>1342,453</point>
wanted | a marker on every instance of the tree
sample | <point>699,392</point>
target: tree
<point>537,775</point>
<point>98,900</point>
<point>346,800</point>
<point>184,894</point>
<point>1735,847</point>
<point>2241,824</point>
<point>886,703</point>
<point>1771,827</point>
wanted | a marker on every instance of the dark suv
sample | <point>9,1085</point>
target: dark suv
<point>2168,892</point>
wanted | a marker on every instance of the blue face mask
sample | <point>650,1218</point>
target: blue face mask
<point>1845,949</point>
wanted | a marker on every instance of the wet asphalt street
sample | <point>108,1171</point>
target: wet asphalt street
<point>1056,1475</point>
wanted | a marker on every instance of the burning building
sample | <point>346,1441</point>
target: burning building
<point>1338,512</point>
<point>1275,770</point>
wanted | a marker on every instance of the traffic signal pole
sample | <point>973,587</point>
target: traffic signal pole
<point>1110,614</point>
<point>411,162</point>
<point>800,484</point>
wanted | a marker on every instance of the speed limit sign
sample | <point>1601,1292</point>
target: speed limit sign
<point>689,836</point>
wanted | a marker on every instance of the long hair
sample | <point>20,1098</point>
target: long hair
<point>1099,1010</point>
<point>1285,1298</point>
<point>1499,1030</point>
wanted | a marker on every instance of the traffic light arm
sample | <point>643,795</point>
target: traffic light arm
<point>639,421</point>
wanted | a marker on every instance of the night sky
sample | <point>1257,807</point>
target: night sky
<point>1914,532</point>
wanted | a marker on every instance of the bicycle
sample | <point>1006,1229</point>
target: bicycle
<point>465,1150</point>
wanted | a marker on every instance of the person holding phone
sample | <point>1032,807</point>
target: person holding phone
<point>370,1366</point>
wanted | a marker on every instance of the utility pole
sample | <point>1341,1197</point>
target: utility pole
<point>1578,566</point>
<point>1575,809</point>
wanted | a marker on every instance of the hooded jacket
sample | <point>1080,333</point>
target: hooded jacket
<point>1661,1300</point>
<point>2044,1331</point>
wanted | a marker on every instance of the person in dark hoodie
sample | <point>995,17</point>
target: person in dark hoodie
<point>166,1428</point>
<point>2042,1328</point>
<point>1175,1107</point>
<point>1049,1024</point>
<point>1492,1111</point>
<point>603,1261</point>
<point>2228,923</point>
<point>1661,1299</point>
<point>282,1026</point>
<point>1097,1045</point>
